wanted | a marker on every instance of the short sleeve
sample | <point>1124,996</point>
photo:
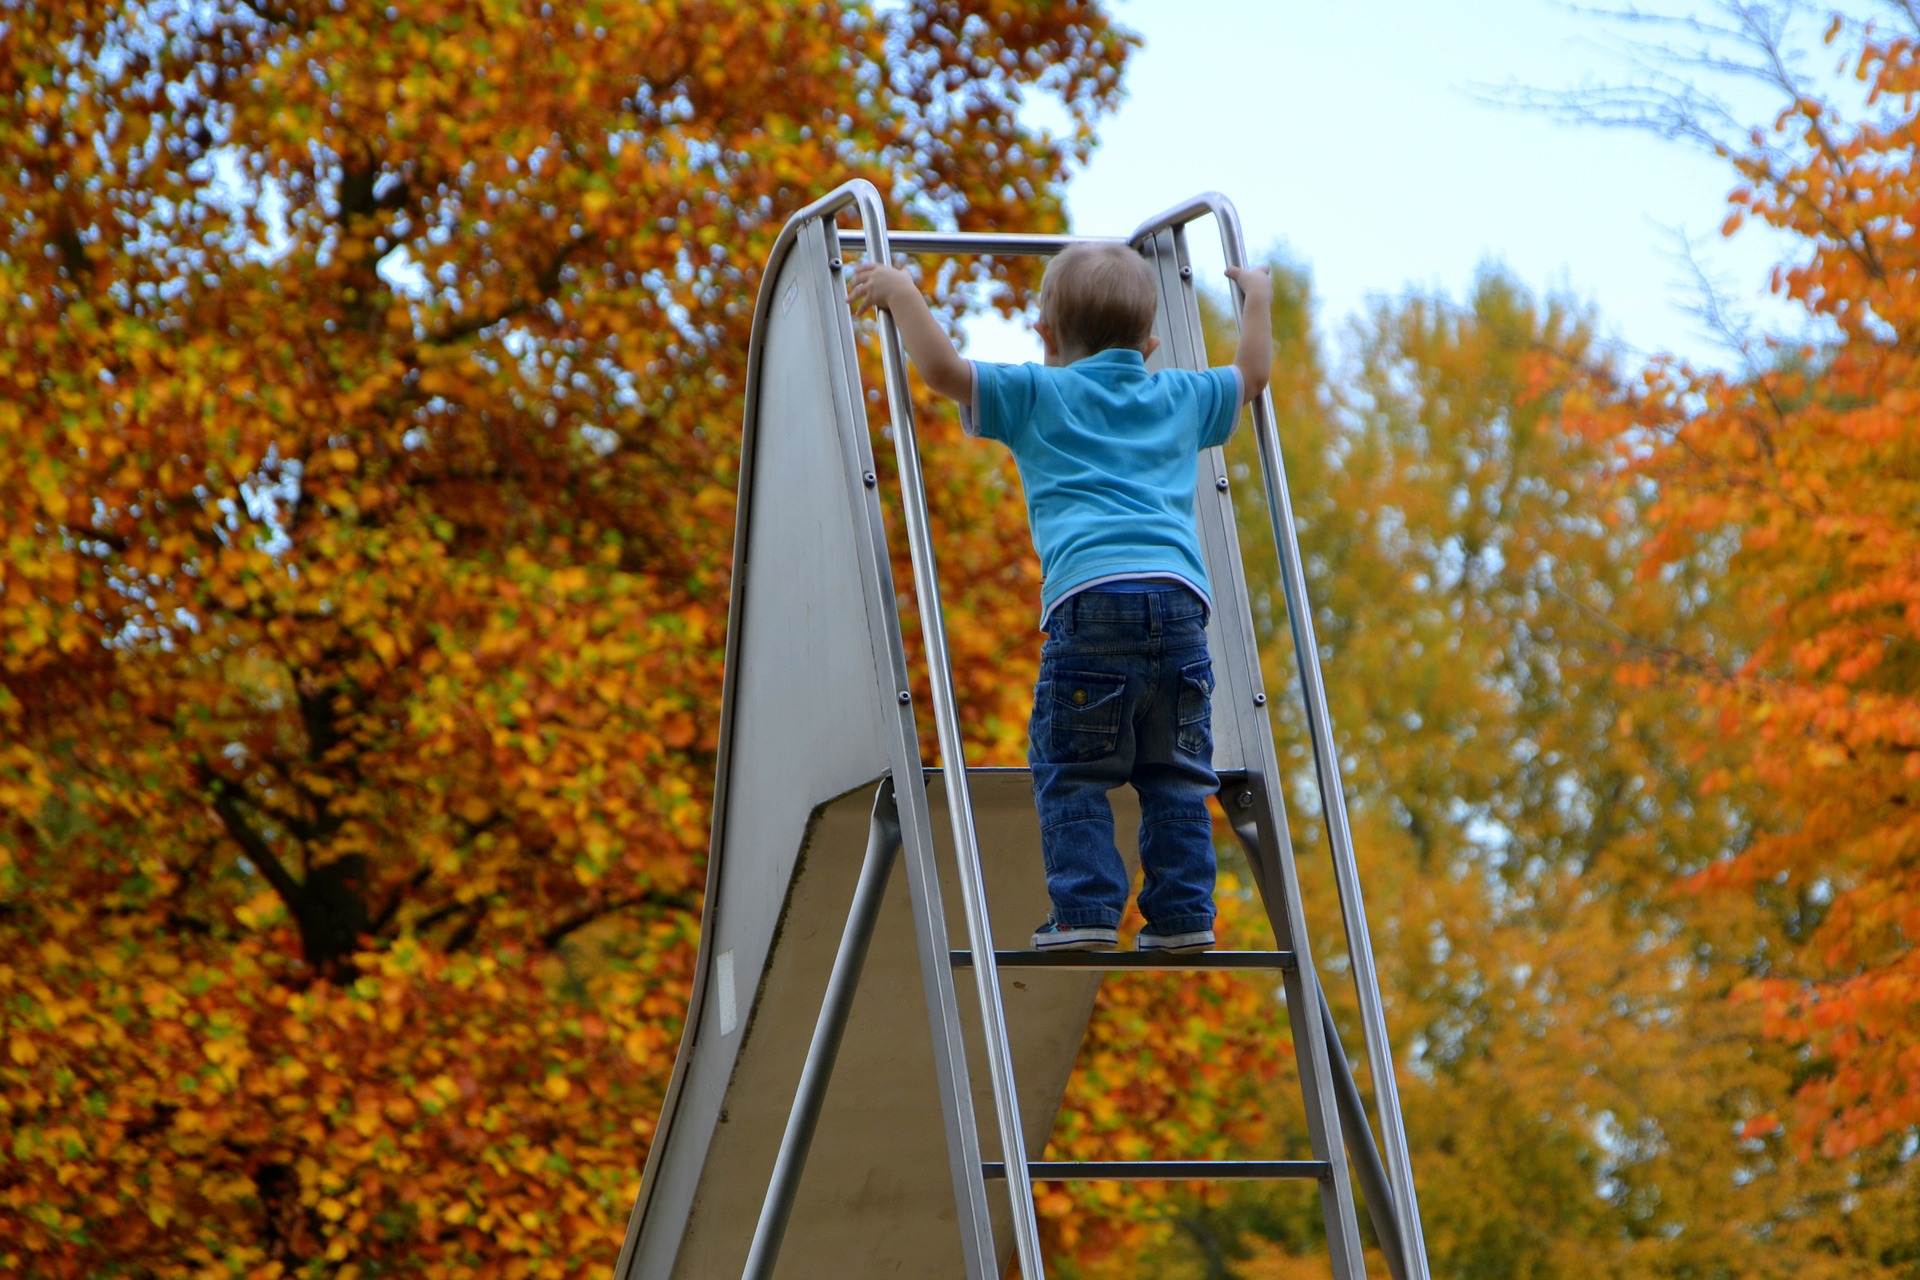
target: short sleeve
<point>1220,405</point>
<point>1003,399</point>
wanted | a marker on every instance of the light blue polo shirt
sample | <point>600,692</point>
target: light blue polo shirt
<point>1108,455</point>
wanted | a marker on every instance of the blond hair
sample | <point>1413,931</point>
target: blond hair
<point>1098,297</point>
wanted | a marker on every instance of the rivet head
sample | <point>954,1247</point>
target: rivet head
<point>868,479</point>
<point>1079,697</point>
<point>905,696</point>
<point>1220,483</point>
<point>1245,800</point>
<point>834,265</point>
<point>1259,699</point>
<point>1186,273</point>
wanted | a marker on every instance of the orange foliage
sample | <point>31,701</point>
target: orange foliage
<point>1794,488</point>
<point>367,453</point>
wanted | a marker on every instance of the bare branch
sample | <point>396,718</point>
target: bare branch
<point>1666,58</point>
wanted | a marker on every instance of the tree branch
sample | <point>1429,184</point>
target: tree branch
<point>557,934</point>
<point>545,282</point>
<point>226,804</point>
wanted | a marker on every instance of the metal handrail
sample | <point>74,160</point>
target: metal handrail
<point>1326,758</point>
<point>1005,244</point>
<point>946,718</point>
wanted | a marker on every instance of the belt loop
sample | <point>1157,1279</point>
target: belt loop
<point>1156,611</point>
<point>1073,612</point>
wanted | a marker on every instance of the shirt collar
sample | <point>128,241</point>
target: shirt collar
<point>1123,357</point>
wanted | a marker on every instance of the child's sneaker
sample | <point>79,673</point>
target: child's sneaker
<point>1054,936</point>
<point>1179,943</point>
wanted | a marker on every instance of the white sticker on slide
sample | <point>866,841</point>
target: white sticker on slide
<point>723,978</point>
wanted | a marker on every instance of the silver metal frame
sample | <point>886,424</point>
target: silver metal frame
<point>930,929</point>
<point>1258,798</point>
<point>905,824</point>
<point>991,244</point>
<point>1326,759</point>
<point>883,842</point>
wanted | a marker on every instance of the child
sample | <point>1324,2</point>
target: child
<point>1108,454</point>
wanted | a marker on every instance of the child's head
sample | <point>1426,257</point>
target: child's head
<point>1096,297</point>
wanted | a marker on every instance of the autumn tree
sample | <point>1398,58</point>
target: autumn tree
<point>368,454</point>
<point>1789,482</point>
<point>1579,1082</point>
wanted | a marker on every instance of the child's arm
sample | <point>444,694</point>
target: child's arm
<point>1254,359</point>
<point>941,367</point>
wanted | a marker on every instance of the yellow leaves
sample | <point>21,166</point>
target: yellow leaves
<point>384,645</point>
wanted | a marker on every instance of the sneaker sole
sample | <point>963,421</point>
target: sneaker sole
<point>1077,944</point>
<point>1178,944</point>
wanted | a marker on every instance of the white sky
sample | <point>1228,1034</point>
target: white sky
<point>1356,134</point>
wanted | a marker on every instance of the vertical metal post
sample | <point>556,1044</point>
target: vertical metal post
<point>1364,1155</point>
<point>1326,759</point>
<point>953,760</point>
<point>883,842</point>
<point>973,1216</point>
<point>1259,803</point>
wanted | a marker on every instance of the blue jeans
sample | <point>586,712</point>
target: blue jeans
<point>1125,696</point>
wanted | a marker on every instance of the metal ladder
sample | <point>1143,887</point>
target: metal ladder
<point>1251,797</point>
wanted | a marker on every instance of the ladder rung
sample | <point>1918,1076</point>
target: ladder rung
<point>1165,1170</point>
<point>1101,960</point>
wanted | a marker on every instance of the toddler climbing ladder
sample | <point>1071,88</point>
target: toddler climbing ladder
<point>822,1115</point>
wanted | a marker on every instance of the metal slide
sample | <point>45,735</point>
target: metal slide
<point>837,1107</point>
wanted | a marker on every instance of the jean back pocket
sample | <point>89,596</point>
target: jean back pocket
<point>1083,715</point>
<point>1195,709</point>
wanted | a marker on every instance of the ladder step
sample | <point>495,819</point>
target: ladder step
<point>1102,960</point>
<point>1165,1170</point>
